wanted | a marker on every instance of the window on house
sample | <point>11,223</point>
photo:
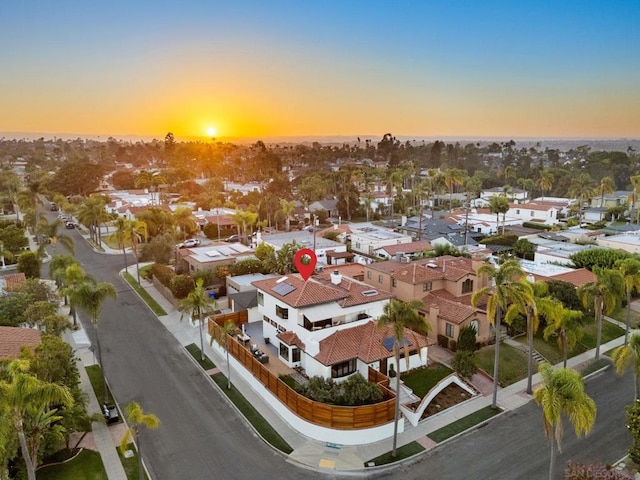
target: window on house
<point>449,330</point>
<point>532,214</point>
<point>265,319</point>
<point>379,278</point>
<point>295,354</point>
<point>282,312</point>
<point>369,275</point>
<point>467,286</point>
<point>426,286</point>
<point>343,369</point>
<point>284,351</point>
<point>394,282</point>
<point>260,298</point>
<point>518,211</point>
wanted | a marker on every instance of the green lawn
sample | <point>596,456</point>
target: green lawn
<point>609,332</point>
<point>549,349</point>
<point>463,424</point>
<point>513,363</point>
<point>421,380</point>
<point>620,314</point>
<point>403,452</point>
<point>194,350</point>
<point>86,466</point>
<point>148,299</point>
<point>95,375</point>
<point>130,464</point>
<point>252,415</point>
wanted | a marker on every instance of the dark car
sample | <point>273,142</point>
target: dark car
<point>110,413</point>
<point>233,238</point>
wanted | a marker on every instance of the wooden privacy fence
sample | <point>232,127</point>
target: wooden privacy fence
<point>322,414</point>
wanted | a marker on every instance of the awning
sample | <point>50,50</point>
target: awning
<point>324,311</point>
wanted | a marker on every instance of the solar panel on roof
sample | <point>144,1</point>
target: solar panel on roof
<point>389,342</point>
<point>283,289</point>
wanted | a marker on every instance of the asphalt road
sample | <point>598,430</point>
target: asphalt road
<point>202,437</point>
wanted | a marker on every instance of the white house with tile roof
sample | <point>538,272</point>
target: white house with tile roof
<point>325,325</point>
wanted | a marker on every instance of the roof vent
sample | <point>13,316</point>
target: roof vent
<point>370,293</point>
<point>432,265</point>
<point>336,277</point>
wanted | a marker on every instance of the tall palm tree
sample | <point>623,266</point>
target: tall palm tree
<point>582,188</point>
<point>120,237</point>
<point>287,210</point>
<point>244,219</point>
<point>506,289</point>
<point>136,418</point>
<point>635,181</point>
<point>530,310</point>
<point>628,355</point>
<point>27,396</point>
<point>401,316</point>
<point>90,297</point>
<point>196,306</point>
<point>185,221</point>
<point>603,294</point>
<point>51,230</point>
<point>562,393</point>
<point>92,214</point>
<point>472,186</point>
<point>72,278</point>
<point>57,267</point>
<point>606,185</point>
<point>527,185</point>
<point>499,204</point>
<point>452,178</point>
<point>222,338</point>
<point>134,229</point>
<point>630,270</point>
<point>151,180</point>
<point>566,324</point>
<point>544,181</point>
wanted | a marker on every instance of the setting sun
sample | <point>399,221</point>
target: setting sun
<point>211,131</point>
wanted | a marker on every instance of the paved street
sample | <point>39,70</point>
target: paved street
<point>201,436</point>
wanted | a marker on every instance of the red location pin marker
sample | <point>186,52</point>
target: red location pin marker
<point>305,261</point>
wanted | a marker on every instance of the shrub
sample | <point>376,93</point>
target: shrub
<point>633,424</point>
<point>443,341</point>
<point>159,249</point>
<point>596,471</point>
<point>181,286</point>
<point>467,339</point>
<point>207,276</point>
<point>331,235</point>
<point>508,240</point>
<point>601,257</point>
<point>29,264</point>
<point>244,267</point>
<point>536,225</point>
<point>464,363</point>
<point>163,273</point>
<point>355,390</point>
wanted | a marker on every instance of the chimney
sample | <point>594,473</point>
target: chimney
<point>336,277</point>
<point>398,257</point>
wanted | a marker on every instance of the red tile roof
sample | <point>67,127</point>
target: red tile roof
<point>291,338</point>
<point>577,277</point>
<point>426,270</point>
<point>319,289</point>
<point>411,247</point>
<point>449,310</point>
<point>363,342</point>
<point>12,339</point>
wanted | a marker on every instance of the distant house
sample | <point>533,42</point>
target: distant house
<point>322,246</point>
<point>539,212</point>
<point>210,257</point>
<point>611,200</point>
<point>13,339</point>
<point>12,282</point>
<point>408,250</point>
<point>368,239</point>
<point>515,195</point>
<point>329,207</point>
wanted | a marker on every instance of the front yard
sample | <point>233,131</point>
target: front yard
<point>421,380</point>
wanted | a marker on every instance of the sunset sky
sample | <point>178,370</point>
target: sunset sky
<point>298,68</point>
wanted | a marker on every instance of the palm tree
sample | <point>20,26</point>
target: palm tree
<point>25,396</point>
<point>120,237</point>
<point>90,297</point>
<point>582,187</point>
<point>530,310</point>
<point>401,316</point>
<point>57,267</point>
<point>51,231</point>
<point>222,338</point>
<point>628,355</point>
<point>544,181</point>
<point>244,219</point>
<point>603,294</point>
<point>287,210</point>
<point>562,392</point>
<point>505,291</point>
<point>72,278</point>
<point>196,306</point>
<point>136,418</point>
<point>607,185</point>
<point>134,229</point>
<point>472,186</point>
<point>527,185</point>
<point>499,204</point>
<point>92,214</point>
<point>635,181</point>
<point>452,178</point>
<point>185,221</point>
<point>151,180</point>
<point>630,270</point>
<point>566,324</point>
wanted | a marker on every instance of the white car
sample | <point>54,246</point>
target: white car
<point>192,242</point>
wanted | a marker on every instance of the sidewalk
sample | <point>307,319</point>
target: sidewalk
<point>102,437</point>
<point>318,455</point>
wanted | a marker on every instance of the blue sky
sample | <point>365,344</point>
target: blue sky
<point>508,69</point>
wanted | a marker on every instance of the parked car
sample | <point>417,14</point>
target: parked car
<point>110,413</point>
<point>233,238</point>
<point>192,242</point>
<point>69,225</point>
